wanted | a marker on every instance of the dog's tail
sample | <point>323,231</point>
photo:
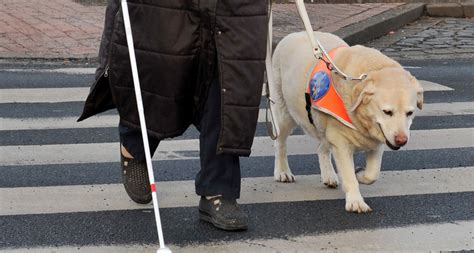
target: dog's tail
<point>276,91</point>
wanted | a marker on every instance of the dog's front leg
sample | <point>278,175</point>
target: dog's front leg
<point>345,167</point>
<point>372,170</point>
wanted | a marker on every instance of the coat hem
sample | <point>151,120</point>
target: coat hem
<point>159,136</point>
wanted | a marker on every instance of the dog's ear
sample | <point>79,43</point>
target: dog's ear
<point>363,91</point>
<point>419,92</point>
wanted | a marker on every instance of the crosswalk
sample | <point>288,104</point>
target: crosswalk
<point>60,186</point>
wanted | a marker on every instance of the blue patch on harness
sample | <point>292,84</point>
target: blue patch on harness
<point>319,85</point>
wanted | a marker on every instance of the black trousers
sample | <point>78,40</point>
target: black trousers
<point>219,174</point>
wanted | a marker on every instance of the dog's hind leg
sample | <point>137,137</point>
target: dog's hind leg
<point>282,172</point>
<point>285,122</point>
<point>328,175</point>
<point>372,170</point>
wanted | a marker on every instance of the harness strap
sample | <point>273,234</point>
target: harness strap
<point>308,108</point>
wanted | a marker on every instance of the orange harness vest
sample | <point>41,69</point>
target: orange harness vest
<point>322,94</point>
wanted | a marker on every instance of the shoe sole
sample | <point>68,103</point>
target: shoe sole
<point>143,200</point>
<point>139,199</point>
<point>207,218</point>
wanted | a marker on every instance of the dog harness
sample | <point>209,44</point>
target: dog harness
<point>321,94</point>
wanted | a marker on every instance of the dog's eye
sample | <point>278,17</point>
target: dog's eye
<point>388,112</point>
<point>409,113</point>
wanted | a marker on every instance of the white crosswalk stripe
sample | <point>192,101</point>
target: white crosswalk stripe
<point>56,95</point>
<point>51,200</point>
<point>93,198</point>
<point>38,95</point>
<point>70,71</point>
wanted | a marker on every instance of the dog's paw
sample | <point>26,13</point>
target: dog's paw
<point>357,205</point>
<point>330,181</point>
<point>360,174</point>
<point>284,177</point>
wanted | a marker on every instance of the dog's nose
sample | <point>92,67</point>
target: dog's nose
<point>401,139</point>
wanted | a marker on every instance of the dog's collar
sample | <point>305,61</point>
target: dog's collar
<point>322,94</point>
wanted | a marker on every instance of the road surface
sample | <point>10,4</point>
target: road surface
<point>61,191</point>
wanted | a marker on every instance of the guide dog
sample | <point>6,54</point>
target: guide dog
<point>381,108</point>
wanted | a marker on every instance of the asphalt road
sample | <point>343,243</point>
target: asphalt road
<point>36,222</point>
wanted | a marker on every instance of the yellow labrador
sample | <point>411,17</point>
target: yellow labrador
<point>381,107</point>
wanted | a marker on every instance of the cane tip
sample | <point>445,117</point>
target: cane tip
<point>163,250</point>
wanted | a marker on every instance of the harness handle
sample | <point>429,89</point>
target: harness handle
<point>318,50</point>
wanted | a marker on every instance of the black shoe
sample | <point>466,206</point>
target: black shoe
<point>222,213</point>
<point>135,179</point>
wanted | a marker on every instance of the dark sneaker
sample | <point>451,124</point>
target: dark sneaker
<point>223,213</point>
<point>135,179</point>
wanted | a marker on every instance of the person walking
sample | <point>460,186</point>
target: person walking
<point>200,62</point>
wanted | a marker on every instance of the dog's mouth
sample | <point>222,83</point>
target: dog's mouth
<point>390,145</point>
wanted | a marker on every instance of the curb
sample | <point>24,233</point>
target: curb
<point>381,24</point>
<point>455,10</point>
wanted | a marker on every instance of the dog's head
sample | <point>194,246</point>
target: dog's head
<point>387,100</point>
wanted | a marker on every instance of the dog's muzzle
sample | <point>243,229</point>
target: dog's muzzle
<point>390,145</point>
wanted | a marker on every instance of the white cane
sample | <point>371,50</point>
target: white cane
<point>138,94</point>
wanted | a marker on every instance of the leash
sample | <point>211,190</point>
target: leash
<point>272,128</point>
<point>141,114</point>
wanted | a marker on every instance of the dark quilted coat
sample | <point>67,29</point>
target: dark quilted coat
<point>181,45</point>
